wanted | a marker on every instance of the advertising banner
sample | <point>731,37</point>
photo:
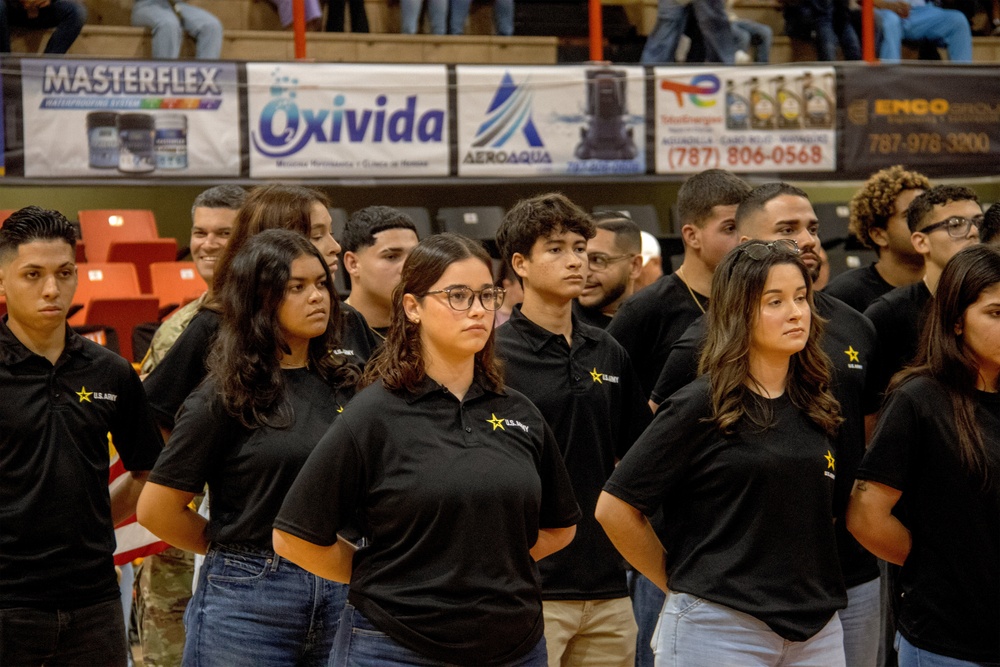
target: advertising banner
<point>321,120</point>
<point>521,121</point>
<point>935,120</point>
<point>745,119</point>
<point>127,118</point>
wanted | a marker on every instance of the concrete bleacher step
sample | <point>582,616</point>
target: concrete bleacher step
<point>129,42</point>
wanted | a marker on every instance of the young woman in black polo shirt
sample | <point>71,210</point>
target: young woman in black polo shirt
<point>455,483</point>
<point>742,465</point>
<point>273,389</point>
<point>928,491</point>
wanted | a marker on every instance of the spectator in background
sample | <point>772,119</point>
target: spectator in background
<point>671,19</point>
<point>826,23</point>
<point>66,16</point>
<point>409,16</point>
<point>652,263</point>
<point>989,231</point>
<point>615,263</point>
<point>169,21</point>
<point>919,20</point>
<point>749,34</point>
<point>513,293</point>
<point>335,16</point>
<point>503,17</point>
<point>314,13</point>
<point>878,221</point>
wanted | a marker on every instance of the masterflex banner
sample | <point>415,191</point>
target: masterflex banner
<point>534,121</point>
<point>316,120</point>
<point>745,119</point>
<point>126,118</point>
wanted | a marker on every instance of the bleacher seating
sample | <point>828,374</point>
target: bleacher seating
<point>421,220</point>
<point>110,296</point>
<point>644,215</point>
<point>142,254</point>
<point>99,228</point>
<point>175,283</point>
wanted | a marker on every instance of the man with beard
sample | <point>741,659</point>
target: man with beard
<point>615,260</point>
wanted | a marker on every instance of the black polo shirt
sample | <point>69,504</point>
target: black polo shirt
<point>947,593</point>
<point>899,318</point>
<point>183,367</point>
<point>748,516</point>
<point>858,288</point>
<point>649,323</point>
<point>591,398</point>
<point>56,536</point>
<point>849,341</point>
<point>451,495</point>
<point>591,316</point>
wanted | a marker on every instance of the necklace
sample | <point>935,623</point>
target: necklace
<point>680,276</point>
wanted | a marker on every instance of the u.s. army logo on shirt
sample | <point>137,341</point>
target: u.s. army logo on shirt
<point>601,378</point>
<point>500,423</point>
<point>853,358</point>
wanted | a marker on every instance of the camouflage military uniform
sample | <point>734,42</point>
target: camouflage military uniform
<point>168,333</point>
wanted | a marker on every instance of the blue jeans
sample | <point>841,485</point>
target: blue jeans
<point>944,27</point>
<point>671,18</point>
<point>361,644</point>
<point>911,656</point>
<point>256,608</point>
<point>751,33</point>
<point>170,22</point>
<point>647,603</point>
<point>503,17</point>
<point>828,20</point>
<point>694,632</point>
<point>66,16</point>
<point>861,623</point>
<point>437,14</point>
<point>91,636</point>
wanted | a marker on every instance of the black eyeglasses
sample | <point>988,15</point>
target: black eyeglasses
<point>957,226</point>
<point>758,250</point>
<point>460,297</point>
<point>598,261</point>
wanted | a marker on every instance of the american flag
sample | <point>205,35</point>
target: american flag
<point>133,541</point>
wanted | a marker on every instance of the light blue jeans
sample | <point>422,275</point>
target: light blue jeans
<point>256,608</point>
<point>437,14</point>
<point>169,26</point>
<point>911,656</point>
<point>503,17</point>
<point>750,33</point>
<point>944,27</point>
<point>861,623</point>
<point>671,19</point>
<point>694,632</point>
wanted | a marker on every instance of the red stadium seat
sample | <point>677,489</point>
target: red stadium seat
<point>176,283</point>
<point>101,228</point>
<point>143,254</point>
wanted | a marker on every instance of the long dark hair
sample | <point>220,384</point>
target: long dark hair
<point>272,206</point>
<point>733,309</point>
<point>400,363</point>
<point>244,361</point>
<point>943,355</point>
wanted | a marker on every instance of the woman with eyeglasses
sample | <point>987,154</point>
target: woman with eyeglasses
<point>742,466</point>
<point>927,495</point>
<point>272,391</point>
<point>455,483</point>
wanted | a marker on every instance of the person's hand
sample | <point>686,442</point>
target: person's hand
<point>897,6</point>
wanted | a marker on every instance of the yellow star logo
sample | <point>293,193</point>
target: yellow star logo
<point>497,422</point>
<point>829,460</point>
<point>852,354</point>
<point>84,395</point>
<point>595,376</point>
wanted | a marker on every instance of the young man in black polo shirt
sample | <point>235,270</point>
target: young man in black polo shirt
<point>614,257</point>
<point>878,221</point>
<point>376,242</point>
<point>781,211</point>
<point>898,315</point>
<point>649,323</point>
<point>583,383</point>
<point>61,396</point>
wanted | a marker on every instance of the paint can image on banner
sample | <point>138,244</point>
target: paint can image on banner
<point>519,121</point>
<point>107,118</point>
<point>320,120</point>
<point>745,119</point>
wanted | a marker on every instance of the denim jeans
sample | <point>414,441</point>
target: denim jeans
<point>91,636</point>
<point>911,656</point>
<point>751,33</point>
<point>361,644</point>
<point>437,14</point>
<point>671,18</point>
<point>945,27</point>
<point>503,17</point>
<point>861,623</point>
<point>170,22</point>
<point>647,603</point>
<point>256,608</point>
<point>694,632</point>
<point>66,16</point>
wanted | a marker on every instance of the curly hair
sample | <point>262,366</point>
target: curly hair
<point>244,361</point>
<point>399,363</point>
<point>733,308</point>
<point>875,202</point>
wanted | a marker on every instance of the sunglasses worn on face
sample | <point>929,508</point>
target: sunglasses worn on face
<point>461,297</point>
<point>758,250</point>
